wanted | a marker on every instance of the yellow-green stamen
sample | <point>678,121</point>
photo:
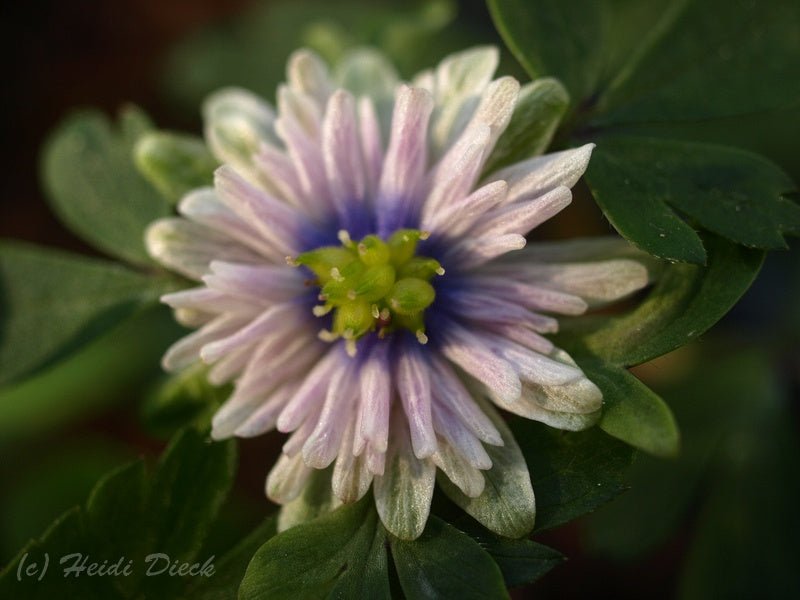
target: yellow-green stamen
<point>373,285</point>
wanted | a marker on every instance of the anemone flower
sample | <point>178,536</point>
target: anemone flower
<point>366,286</point>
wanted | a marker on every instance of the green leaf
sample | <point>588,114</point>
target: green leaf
<point>131,515</point>
<point>53,302</point>
<point>174,163</point>
<point>685,302</point>
<point>539,110</point>
<point>446,563</point>
<point>231,568</point>
<point>507,505</point>
<point>521,561</point>
<point>640,182</point>
<point>632,412</point>
<point>659,60</point>
<point>341,552</point>
<point>573,473</point>
<point>94,186</point>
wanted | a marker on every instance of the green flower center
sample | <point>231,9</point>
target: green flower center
<point>373,285</point>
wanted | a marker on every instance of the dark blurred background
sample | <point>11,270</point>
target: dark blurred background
<point>728,501</point>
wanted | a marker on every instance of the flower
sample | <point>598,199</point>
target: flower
<point>409,305</point>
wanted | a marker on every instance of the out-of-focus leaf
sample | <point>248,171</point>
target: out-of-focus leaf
<point>341,554</point>
<point>639,183</point>
<point>573,473</point>
<point>134,516</point>
<point>53,302</point>
<point>109,370</point>
<point>94,187</point>
<point>174,163</point>
<point>230,569</point>
<point>444,562</point>
<point>632,412</point>
<point>251,51</point>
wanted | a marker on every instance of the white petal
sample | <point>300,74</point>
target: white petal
<point>524,215</point>
<point>470,353</point>
<point>341,150</point>
<point>351,478</point>
<point>403,494</point>
<point>536,176</point>
<point>405,160</point>
<point>412,379</point>
<point>468,479</point>
<point>236,123</point>
<point>287,479</point>
<point>308,74</point>
<point>189,248</point>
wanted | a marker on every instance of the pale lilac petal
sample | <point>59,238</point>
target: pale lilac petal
<point>404,163</point>
<point>460,438</point>
<point>322,446</point>
<point>376,460</point>
<point>448,391</point>
<point>457,217</point>
<point>237,122</point>
<point>308,74</point>
<point>341,152</point>
<point>376,389</point>
<point>487,308</point>
<point>474,252</point>
<point>279,177</point>
<point>186,350</point>
<point>414,387</point>
<point>263,418</point>
<point>536,176</point>
<point>261,284</point>
<point>351,477</point>
<point>471,354</point>
<point>313,389</point>
<point>275,220</point>
<point>532,366</point>
<point>524,215</point>
<point>212,301</point>
<point>203,206</point>
<point>468,479</point>
<point>371,144</point>
<point>530,296</point>
<point>188,248</point>
<point>229,367</point>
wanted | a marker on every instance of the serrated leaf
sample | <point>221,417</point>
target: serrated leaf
<point>640,182</point>
<point>632,412</point>
<point>129,517</point>
<point>94,187</point>
<point>573,473</point>
<point>521,561</point>
<point>53,302</point>
<point>538,112</point>
<point>444,562</point>
<point>315,559</point>
<point>174,163</point>
<point>230,569</point>
<point>685,302</point>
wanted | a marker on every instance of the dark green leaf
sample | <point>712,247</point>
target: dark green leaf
<point>52,302</point>
<point>129,517</point>
<point>521,561</point>
<point>685,302</point>
<point>94,186</point>
<point>639,182</point>
<point>230,569</point>
<point>446,563</point>
<point>573,473</point>
<point>339,553</point>
<point>174,163</point>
